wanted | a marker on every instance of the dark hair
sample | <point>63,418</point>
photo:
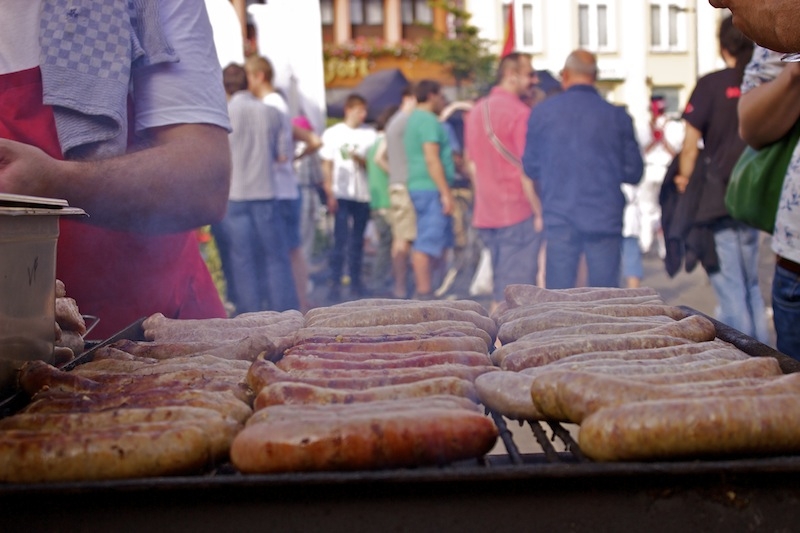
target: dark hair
<point>408,90</point>
<point>353,100</point>
<point>736,43</point>
<point>234,78</point>
<point>425,89</point>
<point>386,114</point>
<point>510,62</point>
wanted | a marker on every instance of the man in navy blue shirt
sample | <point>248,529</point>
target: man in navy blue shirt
<point>579,150</point>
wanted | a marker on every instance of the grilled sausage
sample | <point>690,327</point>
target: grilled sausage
<point>683,428</point>
<point>302,393</point>
<point>512,358</point>
<point>415,360</point>
<point>430,344</point>
<point>366,441</point>
<point>517,295</point>
<point>424,330</point>
<point>404,315</point>
<point>125,451</point>
<point>580,394</point>
<point>264,373</point>
<point>509,394</point>
<point>224,402</point>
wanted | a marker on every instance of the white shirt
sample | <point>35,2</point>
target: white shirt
<point>349,178</point>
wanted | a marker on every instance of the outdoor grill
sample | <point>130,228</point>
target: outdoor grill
<point>551,490</point>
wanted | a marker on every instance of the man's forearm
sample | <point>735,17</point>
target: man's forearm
<point>436,170</point>
<point>769,110</point>
<point>178,183</point>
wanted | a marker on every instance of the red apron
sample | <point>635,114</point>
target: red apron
<point>116,276</point>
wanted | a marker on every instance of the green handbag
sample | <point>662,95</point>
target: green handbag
<point>757,179</point>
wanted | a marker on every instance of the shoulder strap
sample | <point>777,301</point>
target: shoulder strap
<point>487,124</point>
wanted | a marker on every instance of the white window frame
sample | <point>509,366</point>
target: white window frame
<point>681,26</point>
<point>536,9</point>
<point>611,25</point>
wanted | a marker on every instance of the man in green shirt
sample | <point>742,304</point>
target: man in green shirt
<point>430,174</point>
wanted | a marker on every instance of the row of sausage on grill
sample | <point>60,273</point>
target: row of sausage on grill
<point>394,383</point>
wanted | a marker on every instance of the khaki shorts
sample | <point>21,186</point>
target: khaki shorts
<point>402,217</point>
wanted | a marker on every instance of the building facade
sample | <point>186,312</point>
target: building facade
<point>644,47</point>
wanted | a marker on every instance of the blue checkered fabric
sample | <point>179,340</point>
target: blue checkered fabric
<point>88,51</point>
<point>92,37</point>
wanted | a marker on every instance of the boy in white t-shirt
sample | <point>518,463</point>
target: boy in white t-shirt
<point>344,147</point>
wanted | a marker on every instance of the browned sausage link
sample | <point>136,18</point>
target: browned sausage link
<point>160,350</point>
<point>509,394</point>
<point>390,332</point>
<point>538,355</point>
<point>412,438</point>
<point>719,354</point>
<point>299,362</point>
<point>719,426</point>
<point>581,394</point>
<point>696,328</point>
<point>405,315</point>
<point>653,353</point>
<point>224,402</point>
<point>378,304</point>
<point>558,318</point>
<point>263,373</point>
<point>37,375</point>
<point>524,330</point>
<point>311,412</point>
<point>517,295</point>
<point>158,322</point>
<point>595,309</point>
<point>127,451</point>
<point>301,393</point>
<point>431,344</point>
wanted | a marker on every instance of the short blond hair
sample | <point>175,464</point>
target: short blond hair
<point>260,64</point>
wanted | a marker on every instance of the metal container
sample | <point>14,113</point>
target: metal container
<point>28,237</point>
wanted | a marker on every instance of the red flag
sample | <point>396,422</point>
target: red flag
<point>510,43</point>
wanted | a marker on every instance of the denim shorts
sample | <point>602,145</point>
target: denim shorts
<point>289,211</point>
<point>631,258</point>
<point>434,228</point>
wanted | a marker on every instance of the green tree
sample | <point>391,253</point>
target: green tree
<point>463,53</point>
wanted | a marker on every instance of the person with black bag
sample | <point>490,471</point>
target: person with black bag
<point>711,117</point>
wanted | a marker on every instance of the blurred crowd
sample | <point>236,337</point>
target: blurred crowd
<point>556,188</point>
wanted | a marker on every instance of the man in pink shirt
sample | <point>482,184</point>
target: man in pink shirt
<point>507,210</point>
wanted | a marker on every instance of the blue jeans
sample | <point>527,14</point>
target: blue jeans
<point>564,247</point>
<point>739,298</point>
<point>348,236</point>
<point>786,308</point>
<point>259,257</point>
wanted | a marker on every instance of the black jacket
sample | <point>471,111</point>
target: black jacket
<point>688,220</point>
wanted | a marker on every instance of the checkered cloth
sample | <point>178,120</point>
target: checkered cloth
<point>88,48</point>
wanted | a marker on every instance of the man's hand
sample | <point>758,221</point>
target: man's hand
<point>538,223</point>
<point>24,169</point>
<point>681,182</point>
<point>331,202</point>
<point>447,202</point>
